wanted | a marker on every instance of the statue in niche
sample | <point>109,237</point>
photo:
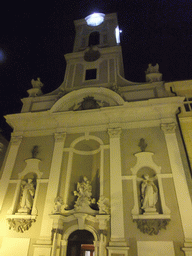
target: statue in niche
<point>84,193</point>
<point>149,194</point>
<point>27,196</point>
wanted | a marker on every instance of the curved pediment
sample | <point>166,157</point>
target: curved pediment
<point>87,98</point>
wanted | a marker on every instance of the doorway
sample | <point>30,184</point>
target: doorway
<point>80,243</point>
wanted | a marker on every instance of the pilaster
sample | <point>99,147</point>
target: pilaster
<point>117,219</point>
<point>53,184</point>
<point>179,178</point>
<point>13,150</point>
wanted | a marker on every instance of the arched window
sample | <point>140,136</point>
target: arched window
<point>94,38</point>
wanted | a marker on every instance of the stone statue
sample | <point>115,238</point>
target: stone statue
<point>34,151</point>
<point>27,195</point>
<point>84,193</point>
<point>58,204</point>
<point>152,69</point>
<point>149,194</point>
<point>103,204</point>
<point>142,144</point>
<point>36,83</point>
<point>36,90</point>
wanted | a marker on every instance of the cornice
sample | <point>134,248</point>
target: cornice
<point>131,114</point>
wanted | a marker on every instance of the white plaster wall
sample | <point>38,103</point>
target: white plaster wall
<point>14,246</point>
<point>45,148</point>
<point>160,248</point>
<point>156,143</point>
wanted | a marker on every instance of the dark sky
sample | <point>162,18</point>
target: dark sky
<point>35,35</point>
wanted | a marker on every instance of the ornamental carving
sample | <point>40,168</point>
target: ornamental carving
<point>89,102</point>
<point>83,193</point>
<point>151,226</point>
<point>20,225</point>
<point>114,132</point>
<point>168,128</point>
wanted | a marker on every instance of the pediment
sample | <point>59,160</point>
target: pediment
<point>87,98</point>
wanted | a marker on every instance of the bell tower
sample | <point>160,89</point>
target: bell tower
<point>98,30</point>
<point>96,59</point>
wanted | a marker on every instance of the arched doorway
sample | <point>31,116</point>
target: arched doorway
<point>80,243</point>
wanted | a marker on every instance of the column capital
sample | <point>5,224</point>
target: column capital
<point>16,140</point>
<point>114,132</point>
<point>59,136</point>
<point>168,127</point>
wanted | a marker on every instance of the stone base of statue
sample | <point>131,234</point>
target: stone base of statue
<point>24,211</point>
<point>153,77</point>
<point>150,211</point>
<point>33,92</point>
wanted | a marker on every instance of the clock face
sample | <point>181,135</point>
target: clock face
<point>92,54</point>
<point>95,19</point>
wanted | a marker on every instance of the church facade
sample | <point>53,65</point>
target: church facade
<point>97,167</point>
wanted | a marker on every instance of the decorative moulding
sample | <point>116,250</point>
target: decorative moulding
<point>20,222</point>
<point>31,167</point>
<point>151,226</point>
<point>144,212</point>
<point>145,159</point>
<point>102,95</point>
<point>82,213</point>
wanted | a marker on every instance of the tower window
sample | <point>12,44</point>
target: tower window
<point>94,38</point>
<point>91,74</point>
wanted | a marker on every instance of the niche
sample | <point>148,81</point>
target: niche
<point>148,192</point>
<point>27,194</point>
<point>85,162</point>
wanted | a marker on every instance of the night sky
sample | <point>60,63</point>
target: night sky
<point>35,35</point>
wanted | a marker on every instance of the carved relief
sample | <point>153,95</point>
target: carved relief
<point>83,193</point>
<point>114,132</point>
<point>88,103</point>
<point>151,226</point>
<point>168,128</point>
<point>20,225</point>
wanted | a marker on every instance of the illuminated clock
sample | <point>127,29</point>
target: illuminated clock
<point>95,19</point>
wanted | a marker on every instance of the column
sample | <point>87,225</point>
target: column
<point>181,187</point>
<point>117,219</point>
<point>10,162</point>
<point>53,184</point>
